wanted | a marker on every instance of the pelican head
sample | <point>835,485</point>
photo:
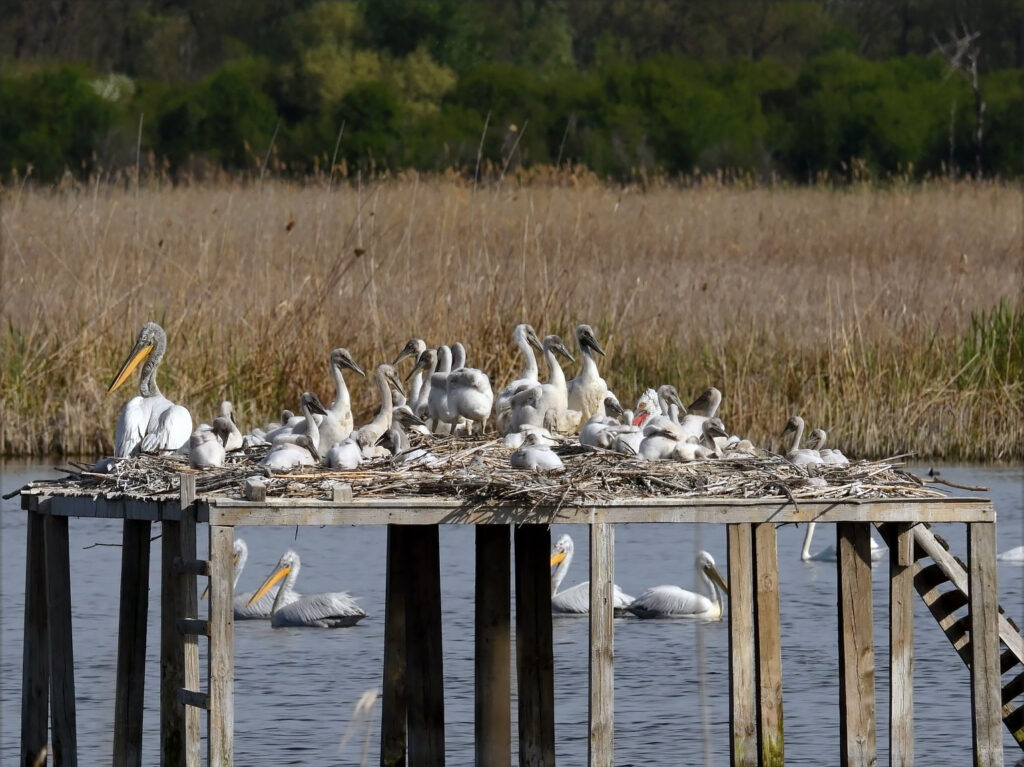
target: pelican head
<point>288,563</point>
<point>312,402</point>
<point>612,408</point>
<point>795,424</point>
<point>426,361</point>
<point>286,416</point>
<point>340,358</point>
<point>391,377</point>
<point>817,439</point>
<point>222,428</point>
<point>707,403</point>
<point>407,419</point>
<point>713,427</point>
<point>562,549</point>
<point>706,565</point>
<point>554,343</point>
<point>303,440</point>
<point>228,410</point>
<point>527,333</point>
<point>669,393</point>
<point>151,338</point>
<point>394,441</point>
<point>587,340</point>
<point>413,348</point>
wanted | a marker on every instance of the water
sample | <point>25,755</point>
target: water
<point>295,688</point>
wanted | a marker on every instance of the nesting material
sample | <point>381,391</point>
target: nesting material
<point>477,469</point>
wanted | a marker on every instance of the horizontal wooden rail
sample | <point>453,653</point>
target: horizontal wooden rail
<point>192,567</point>
<point>193,626</point>
<point>194,699</point>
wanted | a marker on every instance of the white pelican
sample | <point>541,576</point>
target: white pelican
<point>331,610</point>
<point>1015,554</point>
<point>600,430</point>
<point>829,554</point>
<point>470,397</point>
<point>588,389</point>
<point>149,422</point>
<point>662,443</point>
<point>261,607</point>
<point>414,348</point>
<point>676,602</point>
<point>385,377</point>
<point>796,455</point>
<point>702,408</point>
<point>831,456</point>
<point>336,423</point>
<point>576,601</point>
<point>233,441</point>
<point>291,451</point>
<point>552,395</point>
<point>344,455</point>
<point>525,338</point>
<point>206,447</point>
<point>437,388</point>
<point>535,455</point>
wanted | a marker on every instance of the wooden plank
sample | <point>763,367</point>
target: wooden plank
<point>254,489</point>
<point>131,643</point>
<point>194,626</point>
<point>493,662</point>
<point>35,651</point>
<point>424,669</point>
<point>64,734</point>
<point>172,649</point>
<point>393,698</point>
<point>193,698</point>
<point>742,700</point>
<point>769,645</point>
<point>857,740</point>
<point>602,614</point>
<point>192,567</point>
<point>534,652</point>
<point>901,648</point>
<point>986,705</point>
<point>189,604</point>
<point>221,719</point>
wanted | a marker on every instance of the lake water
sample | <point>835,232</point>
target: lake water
<point>295,688</point>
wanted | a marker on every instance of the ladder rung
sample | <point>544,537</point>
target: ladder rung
<point>1015,721</point>
<point>193,698</point>
<point>950,601</point>
<point>192,567</point>
<point>1013,688</point>
<point>194,626</point>
<point>959,632</point>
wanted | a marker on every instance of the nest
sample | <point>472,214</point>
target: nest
<point>477,471</point>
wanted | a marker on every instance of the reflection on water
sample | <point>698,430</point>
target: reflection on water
<point>295,688</point>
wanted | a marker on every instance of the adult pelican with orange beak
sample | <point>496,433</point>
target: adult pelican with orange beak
<point>149,422</point>
<point>331,610</point>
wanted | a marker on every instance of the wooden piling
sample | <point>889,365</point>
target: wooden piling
<point>901,645</point>
<point>35,651</point>
<point>221,719</point>
<point>857,742</point>
<point>986,703</point>
<point>602,614</point>
<point>742,674</point>
<point>131,643</point>
<point>768,659</point>
<point>394,704</point>
<point>63,727</point>
<point>534,653</point>
<point>493,673</point>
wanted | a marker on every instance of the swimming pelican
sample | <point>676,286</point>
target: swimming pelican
<point>330,610</point>
<point>1015,554</point>
<point>676,602</point>
<point>535,455</point>
<point>525,338</point>
<point>552,395</point>
<point>829,554</point>
<point>384,378</point>
<point>206,447</point>
<point>336,423</point>
<point>576,601</point>
<point>831,456</point>
<point>242,609</point>
<point>414,348</point>
<point>149,422</point>
<point>796,455</point>
<point>588,389</point>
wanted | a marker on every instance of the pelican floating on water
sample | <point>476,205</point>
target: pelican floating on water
<point>676,602</point>
<point>149,422</point>
<point>576,600</point>
<point>329,610</point>
<point>242,609</point>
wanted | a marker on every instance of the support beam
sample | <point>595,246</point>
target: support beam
<point>986,701</point>
<point>424,670</point>
<point>534,653</point>
<point>393,698</point>
<point>602,615</point>
<point>901,646</point>
<point>769,646</point>
<point>131,643</point>
<point>857,742</point>
<point>221,718</point>
<point>742,674</point>
<point>493,663</point>
<point>35,651</point>
<point>64,733</point>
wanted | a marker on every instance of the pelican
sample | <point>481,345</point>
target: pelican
<point>233,441</point>
<point>344,455</point>
<point>525,338</point>
<point>336,423</point>
<point>830,456</point>
<point>799,456</point>
<point>437,388</point>
<point>1012,555</point>
<point>576,601</point>
<point>535,455</point>
<point>587,390</point>
<point>149,422</point>
<point>470,397</point>
<point>600,430</point>
<point>662,410</point>
<point>206,447</point>
<point>331,610</point>
<point>552,395</point>
<point>261,607</point>
<point>829,554</point>
<point>413,348</point>
<point>385,378</point>
<point>676,602</point>
<point>293,450</point>
<point>702,408</point>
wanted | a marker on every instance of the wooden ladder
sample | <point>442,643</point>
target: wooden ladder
<point>941,580</point>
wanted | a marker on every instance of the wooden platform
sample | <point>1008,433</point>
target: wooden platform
<point>413,713</point>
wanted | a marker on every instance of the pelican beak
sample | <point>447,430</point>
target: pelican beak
<point>557,558</point>
<point>351,365</point>
<point>614,408</point>
<point>317,406</point>
<point>717,430</point>
<point>531,338</point>
<point>673,397</point>
<point>138,354</point>
<point>591,343</point>
<point>407,351</point>
<point>421,364</point>
<point>714,575</point>
<point>560,348</point>
<point>278,573</point>
<point>396,381</point>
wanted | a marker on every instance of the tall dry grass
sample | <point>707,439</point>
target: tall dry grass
<point>853,307</point>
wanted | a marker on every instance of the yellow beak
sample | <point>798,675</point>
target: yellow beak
<point>129,366</point>
<point>714,575</point>
<point>268,584</point>
<point>557,557</point>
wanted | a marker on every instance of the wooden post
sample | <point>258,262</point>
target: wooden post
<point>602,618</point>
<point>64,735</point>
<point>742,700</point>
<point>35,651</point>
<point>986,700</point>
<point>769,646</point>
<point>221,716</point>
<point>901,646</point>
<point>493,690</point>
<point>131,643</point>
<point>393,698</point>
<point>534,652</point>
<point>424,677</point>
<point>856,645</point>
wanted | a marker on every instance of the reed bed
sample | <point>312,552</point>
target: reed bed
<point>889,316</point>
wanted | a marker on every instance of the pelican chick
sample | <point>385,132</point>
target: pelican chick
<point>345,455</point>
<point>588,389</point>
<point>535,456</point>
<point>676,602</point>
<point>470,397</point>
<point>336,422</point>
<point>796,455</point>
<point>817,440</point>
<point>525,338</point>
<point>206,447</point>
<point>330,610</point>
<point>600,429</point>
<point>551,395</point>
<point>576,600</point>
<point>385,377</point>
<point>414,347</point>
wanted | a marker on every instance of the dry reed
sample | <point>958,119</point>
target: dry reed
<point>848,306</point>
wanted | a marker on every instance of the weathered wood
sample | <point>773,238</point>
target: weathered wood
<point>193,698</point>
<point>194,626</point>
<point>424,677</point>
<point>393,697</point>
<point>189,603</point>
<point>254,489</point>
<point>857,741</point>
<point>35,651</point>
<point>901,648</point>
<point>602,614</point>
<point>192,567</point>
<point>769,645</point>
<point>534,652</point>
<point>64,734</point>
<point>221,720</point>
<point>742,699</point>
<point>131,643</point>
<point>493,662</point>
<point>986,706</point>
<point>341,492</point>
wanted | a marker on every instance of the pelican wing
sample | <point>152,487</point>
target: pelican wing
<point>132,425</point>
<point>170,426</point>
<point>576,601</point>
<point>330,610</point>
<point>669,601</point>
